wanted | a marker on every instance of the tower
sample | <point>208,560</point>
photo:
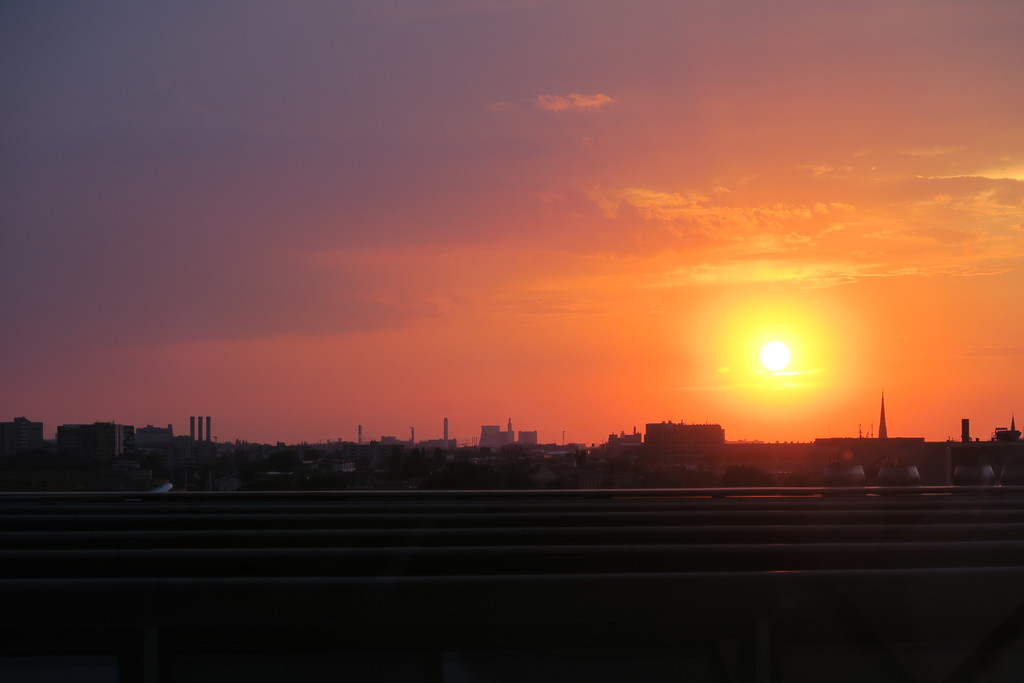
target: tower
<point>882,432</point>
<point>446,432</point>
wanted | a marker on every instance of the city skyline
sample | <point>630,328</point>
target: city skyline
<point>585,215</point>
<point>494,436</point>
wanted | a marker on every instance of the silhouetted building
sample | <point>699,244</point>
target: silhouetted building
<point>930,457</point>
<point>430,444</point>
<point>883,432</point>
<point>682,442</point>
<point>1011,434</point>
<point>372,454</point>
<point>21,434</point>
<point>780,459</point>
<point>151,437</point>
<point>176,452</point>
<point>624,444</point>
<point>182,453</point>
<point>491,436</point>
<point>98,443</point>
<point>1002,454</point>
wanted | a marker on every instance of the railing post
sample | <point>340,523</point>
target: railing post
<point>151,654</point>
<point>762,650</point>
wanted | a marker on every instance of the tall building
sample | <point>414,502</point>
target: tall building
<point>683,442</point>
<point>622,444</point>
<point>177,452</point>
<point>21,434</point>
<point>154,437</point>
<point>528,438</point>
<point>100,442</point>
<point>492,436</point>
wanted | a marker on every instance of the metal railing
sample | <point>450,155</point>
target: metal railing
<point>929,583</point>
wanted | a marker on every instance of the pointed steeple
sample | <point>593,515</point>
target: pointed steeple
<point>882,432</point>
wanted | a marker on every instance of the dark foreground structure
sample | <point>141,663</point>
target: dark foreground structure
<point>703,585</point>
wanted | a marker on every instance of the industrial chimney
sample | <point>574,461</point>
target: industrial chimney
<point>965,430</point>
<point>192,427</point>
<point>209,434</point>
<point>446,432</point>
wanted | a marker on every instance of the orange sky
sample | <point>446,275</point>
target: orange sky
<point>584,216</point>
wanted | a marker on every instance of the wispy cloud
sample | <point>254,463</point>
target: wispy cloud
<point>933,151</point>
<point>826,170</point>
<point>813,244</point>
<point>573,101</point>
<point>680,213</point>
<point>995,352</point>
<point>498,106</point>
<point>1015,173</point>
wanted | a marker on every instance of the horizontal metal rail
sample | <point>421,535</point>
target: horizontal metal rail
<point>137,538</point>
<point>491,560</point>
<point>549,494</point>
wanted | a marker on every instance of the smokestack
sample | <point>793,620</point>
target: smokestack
<point>360,434</point>
<point>192,427</point>
<point>965,430</point>
<point>446,432</point>
<point>412,435</point>
<point>209,436</point>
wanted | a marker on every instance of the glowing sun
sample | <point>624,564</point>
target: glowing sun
<point>775,356</point>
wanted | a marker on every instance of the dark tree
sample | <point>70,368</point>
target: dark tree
<point>282,461</point>
<point>745,475</point>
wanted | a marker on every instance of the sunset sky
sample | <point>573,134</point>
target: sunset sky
<point>298,217</point>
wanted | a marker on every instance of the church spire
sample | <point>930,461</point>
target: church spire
<point>882,432</point>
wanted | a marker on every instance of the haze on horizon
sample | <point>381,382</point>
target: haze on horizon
<point>300,217</point>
